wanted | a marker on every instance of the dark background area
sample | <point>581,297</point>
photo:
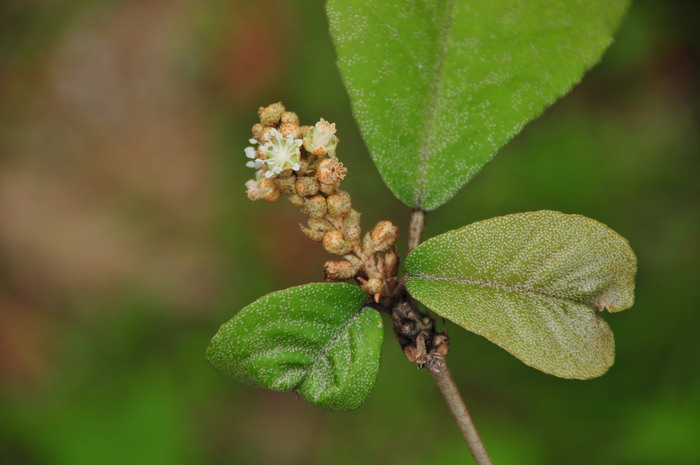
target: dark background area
<point>126,239</point>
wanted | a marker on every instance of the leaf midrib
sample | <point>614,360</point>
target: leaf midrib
<point>428,133</point>
<point>322,353</point>
<point>503,287</point>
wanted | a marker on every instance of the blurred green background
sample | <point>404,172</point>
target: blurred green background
<point>126,239</point>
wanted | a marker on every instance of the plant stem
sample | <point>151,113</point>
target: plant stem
<point>439,369</point>
<point>443,378</point>
<point>416,224</point>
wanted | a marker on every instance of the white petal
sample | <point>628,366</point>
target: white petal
<point>253,141</point>
<point>276,133</point>
<point>269,174</point>
<point>251,164</point>
<point>250,152</point>
<point>296,167</point>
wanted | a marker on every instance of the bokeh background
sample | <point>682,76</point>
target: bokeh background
<point>126,239</point>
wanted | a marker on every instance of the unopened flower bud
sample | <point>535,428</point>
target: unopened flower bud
<point>331,171</point>
<point>339,270</point>
<point>271,114</point>
<point>290,117</point>
<point>391,262</point>
<point>305,130</point>
<point>373,286</point>
<point>327,189</point>
<point>312,234</point>
<point>258,131</point>
<point>306,186</point>
<point>368,244</point>
<point>319,225</point>
<point>272,191</point>
<point>339,204</point>
<point>296,200</point>
<point>290,129</point>
<point>286,183</point>
<point>315,206</point>
<point>334,243</point>
<point>384,236</point>
<point>351,226</point>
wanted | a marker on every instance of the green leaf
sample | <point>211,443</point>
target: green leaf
<point>438,87</point>
<point>534,284</point>
<point>318,339</point>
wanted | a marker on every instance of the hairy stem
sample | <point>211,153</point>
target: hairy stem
<point>437,364</point>
<point>443,378</point>
<point>415,228</point>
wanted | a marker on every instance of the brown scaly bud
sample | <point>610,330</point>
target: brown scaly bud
<point>273,192</point>
<point>384,235</point>
<point>368,244</point>
<point>305,130</point>
<point>258,131</point>
<point>315,206</point>
<point>296,200</point>
<point>306,186</point>
<point>290,117</point>
<point>327,189</point>
<point>331,171</point>
<point>373,287</point>
<point>286,183</point>
<point>290,129</point>
<point>311,233</point>
<point>334,243</point>
<point>339,204</point>
<point>320,225</point>
<point>391,262</point>
<point>339,270</point>
<point>351,226</point>
<point>271,114</point>
<point>441,343</point>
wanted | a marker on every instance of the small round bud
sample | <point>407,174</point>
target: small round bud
<point>290,129</point>
<point>271,190</point>
<point>339,270</point>
<point>319,225</point>
<point>339,204</point>
<point>351,226</point>
<point>331,171</point>
<point>296,200</point>
<point>258,131</point>
<point>306,186</point>
<point>271,114</point>
<point>334,243</point>
<point>286,183</point>
<point>327,189</point>
<point>373,286</point>
<point>315,206</point>
<point>311,233</point>
<point>290,117</point>
<point>384,235</point>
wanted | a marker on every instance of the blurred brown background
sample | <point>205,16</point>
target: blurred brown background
<point>126,239</point>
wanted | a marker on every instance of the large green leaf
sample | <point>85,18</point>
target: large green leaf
<point>318,339</point>
<point>439,86</point>
<point>533,283</point>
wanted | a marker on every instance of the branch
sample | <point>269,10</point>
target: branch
<point>417,351</point>
<point>443,378</point>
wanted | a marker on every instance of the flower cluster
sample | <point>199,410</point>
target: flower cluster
<point>300,162</point>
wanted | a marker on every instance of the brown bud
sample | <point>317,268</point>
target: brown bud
<point>391,262</point>
<point>286,183</point>
<point>319,225</point>
<point>258,131</point>
<point>296,200</point>
<point>271,114</point>
<point>334,243</point>
<point>327,189</point>
<point>351,226</point>
<point>305,130</point>
<point>273,192</point>
<point>368,244</point>
<point>290,117</point>
<point>384,236</point>
<point>311,233</point>
<point>339,204</point>
<point>315,206</point>
<point>339,270</point>
<point>290,129</point>
<point>331,171</point>
<point>306,186</point>
<point>373,286</point>
<point>410,353</point>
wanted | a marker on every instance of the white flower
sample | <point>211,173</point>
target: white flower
<point>321,139</point>
<point>281,153</point>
